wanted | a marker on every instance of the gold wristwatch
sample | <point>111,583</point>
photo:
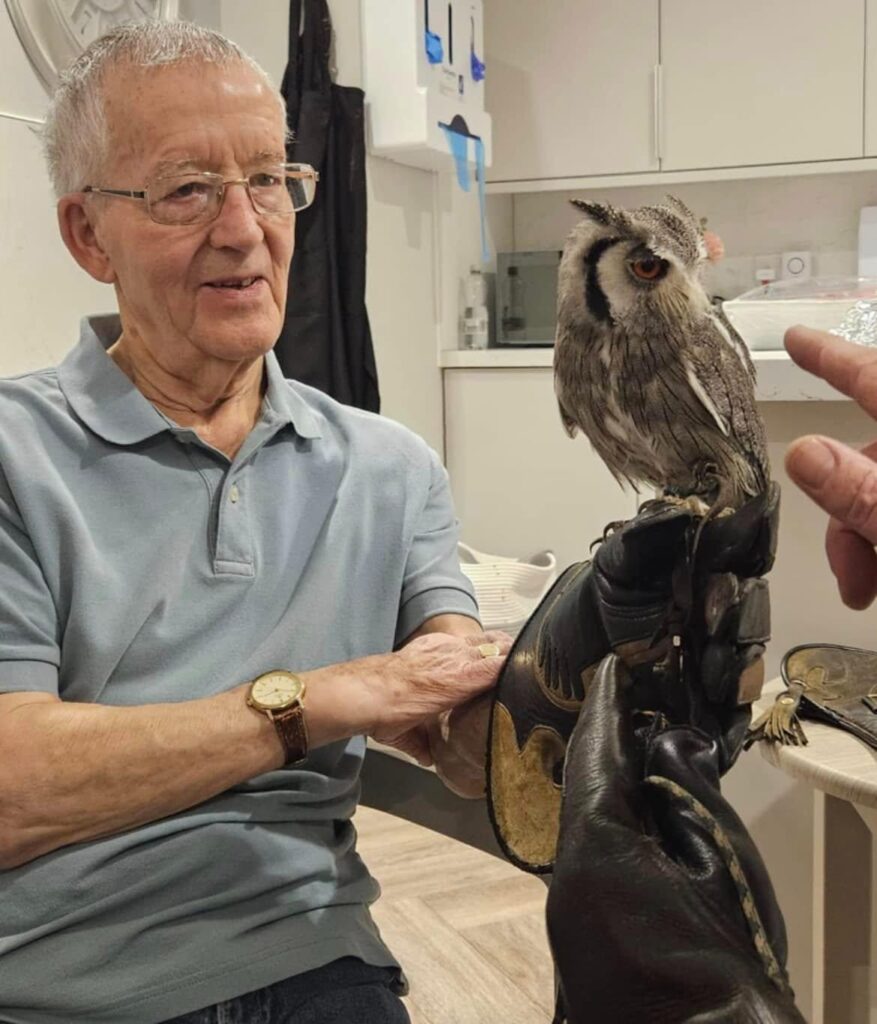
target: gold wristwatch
<point>279,695</point>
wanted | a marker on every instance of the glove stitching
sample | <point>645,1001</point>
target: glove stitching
<point>732,862</point>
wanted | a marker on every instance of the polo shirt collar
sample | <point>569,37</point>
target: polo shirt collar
<point>108,402</point>
<point>101,395</point>
<point>282,398</point>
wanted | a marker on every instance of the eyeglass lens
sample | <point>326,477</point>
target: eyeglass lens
<point>188,198</point>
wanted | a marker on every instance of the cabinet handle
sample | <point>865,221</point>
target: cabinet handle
<point>658,98</point>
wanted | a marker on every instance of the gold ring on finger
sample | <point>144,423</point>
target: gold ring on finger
<point>488,650</point>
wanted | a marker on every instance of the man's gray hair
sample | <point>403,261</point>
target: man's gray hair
<point>75,136</point>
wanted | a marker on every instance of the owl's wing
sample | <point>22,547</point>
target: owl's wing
<point>728,330</point>
<point>722,375</point>
<point>570,373</point>
<point>570,425</point>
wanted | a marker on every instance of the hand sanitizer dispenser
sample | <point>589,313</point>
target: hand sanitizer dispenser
<point>868,241</point>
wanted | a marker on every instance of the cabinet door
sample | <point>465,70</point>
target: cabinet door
<point>871,79</point>
<point>520,484</point>
<point>752,82</point>
<point>570,87</point>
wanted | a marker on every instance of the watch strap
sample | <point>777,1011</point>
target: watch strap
<point>293,732</point>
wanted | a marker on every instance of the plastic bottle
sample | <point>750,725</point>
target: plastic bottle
<point>513,315</point>
<point>475,310</point>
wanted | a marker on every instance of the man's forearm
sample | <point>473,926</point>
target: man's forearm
<point>74,772</point>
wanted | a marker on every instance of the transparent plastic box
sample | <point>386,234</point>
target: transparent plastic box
<point>843,305</point>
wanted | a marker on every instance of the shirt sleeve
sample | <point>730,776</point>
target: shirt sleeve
<point>30,652</point>
<point>433,583</point>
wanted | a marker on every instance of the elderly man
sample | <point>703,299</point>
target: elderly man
<point>204,569</point>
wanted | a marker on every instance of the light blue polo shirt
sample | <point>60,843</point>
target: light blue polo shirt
<point>139,565</point>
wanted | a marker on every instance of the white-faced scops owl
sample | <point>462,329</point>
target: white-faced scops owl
<point>653,374</point>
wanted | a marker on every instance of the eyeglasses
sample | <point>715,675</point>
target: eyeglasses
<point>196,197</point>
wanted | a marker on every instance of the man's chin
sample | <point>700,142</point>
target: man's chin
<point>237,337</point>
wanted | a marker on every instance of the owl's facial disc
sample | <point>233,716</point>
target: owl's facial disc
<point>646,267</point>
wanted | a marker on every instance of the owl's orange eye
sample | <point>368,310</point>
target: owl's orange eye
<point>650,268</point>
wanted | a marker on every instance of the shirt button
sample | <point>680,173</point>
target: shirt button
<point>234,494</point>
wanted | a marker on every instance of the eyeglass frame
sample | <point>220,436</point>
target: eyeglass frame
<point>141,194</point>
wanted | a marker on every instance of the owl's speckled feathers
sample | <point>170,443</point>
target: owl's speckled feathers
<point>652,373</point>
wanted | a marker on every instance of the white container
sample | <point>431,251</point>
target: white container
<point>475,328</point>
<point>507,589</point>
<point>763,315</point>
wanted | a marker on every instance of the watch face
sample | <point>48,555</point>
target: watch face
<point>277,690</point>
<point>54,32</point>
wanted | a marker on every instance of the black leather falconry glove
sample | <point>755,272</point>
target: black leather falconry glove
<point>687,613</point>
<point>660,908</point>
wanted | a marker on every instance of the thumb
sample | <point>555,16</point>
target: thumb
<point>603,767</point>
<point>414,743</point>
<point>840,480</point>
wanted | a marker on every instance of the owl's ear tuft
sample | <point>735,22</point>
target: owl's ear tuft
<point>675,203</point>
<point>599,212</point>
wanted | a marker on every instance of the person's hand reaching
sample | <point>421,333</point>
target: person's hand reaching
<point>838,478</point>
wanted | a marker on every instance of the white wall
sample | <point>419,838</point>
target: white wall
<point>757,219</point>
<point>43,292</point>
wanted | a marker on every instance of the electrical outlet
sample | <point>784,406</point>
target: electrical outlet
<point>796,266</point>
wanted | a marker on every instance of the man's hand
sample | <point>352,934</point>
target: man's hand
<point>428,677</point>
<point>839,479</point>
<point>645,915</point>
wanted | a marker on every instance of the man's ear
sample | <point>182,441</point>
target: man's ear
<point>78,230</point>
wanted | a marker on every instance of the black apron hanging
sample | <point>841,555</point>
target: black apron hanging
<point>326,340</point>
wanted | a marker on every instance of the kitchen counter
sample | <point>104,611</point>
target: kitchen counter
<point>779,379</point>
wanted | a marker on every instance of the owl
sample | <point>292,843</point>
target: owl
<point>647,367</point>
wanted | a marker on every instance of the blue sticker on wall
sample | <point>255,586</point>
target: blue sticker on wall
<point>459,146</point>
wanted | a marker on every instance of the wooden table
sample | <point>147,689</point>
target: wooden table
<point>843,774</point>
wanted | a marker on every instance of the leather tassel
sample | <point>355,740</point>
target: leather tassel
<point>780,723</point>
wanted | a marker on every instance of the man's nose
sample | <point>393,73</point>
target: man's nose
<point>237,224</point>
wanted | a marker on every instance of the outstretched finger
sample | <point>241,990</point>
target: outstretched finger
<point>849,367</point>
<point>840,480</point>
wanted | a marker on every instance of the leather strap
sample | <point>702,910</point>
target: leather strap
<point>293,732</point>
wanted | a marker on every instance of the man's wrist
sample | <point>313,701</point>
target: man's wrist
<point>343,700</point>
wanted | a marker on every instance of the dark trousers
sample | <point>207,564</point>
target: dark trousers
<point>345,991</point>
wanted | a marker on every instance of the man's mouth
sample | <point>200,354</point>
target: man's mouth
<point>233,282</point>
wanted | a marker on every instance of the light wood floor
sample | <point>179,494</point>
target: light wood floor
<point>467,927</point>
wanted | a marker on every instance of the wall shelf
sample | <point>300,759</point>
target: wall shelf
<point>779,379</point>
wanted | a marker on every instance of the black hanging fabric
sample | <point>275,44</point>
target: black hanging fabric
<point>326,340</point>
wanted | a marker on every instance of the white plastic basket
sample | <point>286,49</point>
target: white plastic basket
<point>507,589</point>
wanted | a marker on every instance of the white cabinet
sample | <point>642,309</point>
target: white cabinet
<point>871,78</point>
<point>519,483</point>
<point>570,87</point>
<point>761,83</point>
<point>574,93</point>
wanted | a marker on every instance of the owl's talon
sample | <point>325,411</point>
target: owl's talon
<point>608,530</point>
<point>691,503</point>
